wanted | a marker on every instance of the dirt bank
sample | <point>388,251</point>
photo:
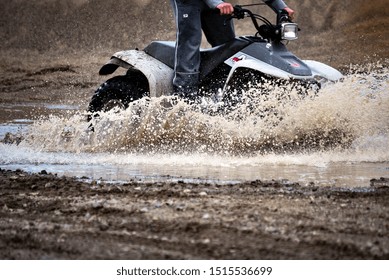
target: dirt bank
<point>47,217</point>
<point>334,32</point>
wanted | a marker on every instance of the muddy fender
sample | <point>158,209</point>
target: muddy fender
<point>159,75</point>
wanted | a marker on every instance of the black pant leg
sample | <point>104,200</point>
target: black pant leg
<point>217,29</point>
<point>188,41</point>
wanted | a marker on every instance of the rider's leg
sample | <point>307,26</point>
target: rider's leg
<point>217,29</point>
<point>187,56</point>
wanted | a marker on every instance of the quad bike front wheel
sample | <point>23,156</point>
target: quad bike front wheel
<point>118,92</point>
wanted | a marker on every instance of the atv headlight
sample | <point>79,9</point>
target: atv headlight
<point>289,31</point>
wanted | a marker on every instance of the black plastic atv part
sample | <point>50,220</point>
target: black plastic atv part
<point>164,51</point>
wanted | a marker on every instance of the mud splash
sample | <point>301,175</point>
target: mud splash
<point>339,136</point>
<point>350,115</point>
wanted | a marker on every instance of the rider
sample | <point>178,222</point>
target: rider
<point>192,17</point>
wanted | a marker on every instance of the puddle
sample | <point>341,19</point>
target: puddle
<point>16,117</point>
<point>193,168</point>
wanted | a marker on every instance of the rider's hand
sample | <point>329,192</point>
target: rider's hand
<point>290,12</point>
<point>225,8</point>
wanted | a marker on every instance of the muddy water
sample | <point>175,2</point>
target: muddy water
<point>339,137</point>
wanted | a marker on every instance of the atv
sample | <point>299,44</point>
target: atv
<point>224,70</point>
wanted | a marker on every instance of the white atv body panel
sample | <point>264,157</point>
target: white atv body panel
<point>264,68</point>
<point>318,70</point>
<point>323,70</point>
<point>158,74</point>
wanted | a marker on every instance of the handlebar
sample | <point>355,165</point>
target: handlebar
<point>268,30</point>
<point>240,13</point>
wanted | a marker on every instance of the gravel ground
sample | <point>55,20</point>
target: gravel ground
<point>48,217</point>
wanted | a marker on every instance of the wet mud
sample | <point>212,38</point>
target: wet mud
<point>48,217</point>
<point>51,52</point>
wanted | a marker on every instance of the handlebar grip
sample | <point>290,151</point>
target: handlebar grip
<point>283,16</point>
<point>239,12</point>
